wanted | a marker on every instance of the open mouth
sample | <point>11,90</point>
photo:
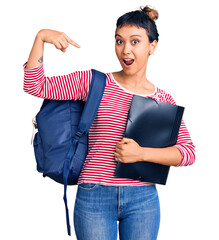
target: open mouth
<point>128,62</point>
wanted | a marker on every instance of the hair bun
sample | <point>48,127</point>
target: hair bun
<point>151,12</point>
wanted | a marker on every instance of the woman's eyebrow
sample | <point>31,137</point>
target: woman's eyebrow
<point>134,35</point>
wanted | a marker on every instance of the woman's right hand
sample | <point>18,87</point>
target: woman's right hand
<point>59,39</point>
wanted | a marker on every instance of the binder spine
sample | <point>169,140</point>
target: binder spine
<point>176,126</point>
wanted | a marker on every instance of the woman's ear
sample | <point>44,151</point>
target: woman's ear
<point>153,47</point>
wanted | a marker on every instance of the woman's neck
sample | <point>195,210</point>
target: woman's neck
<point>137,83</point>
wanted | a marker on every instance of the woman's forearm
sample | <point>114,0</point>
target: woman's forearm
<point>36,54</point>
<point>169,156</point>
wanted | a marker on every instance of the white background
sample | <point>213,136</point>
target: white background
<point>185,65</point>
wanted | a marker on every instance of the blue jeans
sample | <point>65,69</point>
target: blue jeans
<point>98,208</point>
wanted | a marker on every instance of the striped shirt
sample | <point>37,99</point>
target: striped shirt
<point>109,125</point>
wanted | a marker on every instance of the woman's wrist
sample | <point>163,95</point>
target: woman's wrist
<point>39,36</point>
<point>145,152</point>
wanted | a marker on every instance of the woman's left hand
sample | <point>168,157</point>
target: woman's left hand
<point>128,151</point>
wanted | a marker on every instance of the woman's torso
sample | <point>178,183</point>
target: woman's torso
<point>106,131</point>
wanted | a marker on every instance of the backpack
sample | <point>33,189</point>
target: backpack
<point>61,143</point>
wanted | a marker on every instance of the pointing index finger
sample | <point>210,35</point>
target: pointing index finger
<point>72,42</point>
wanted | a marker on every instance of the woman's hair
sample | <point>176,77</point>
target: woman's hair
<point>144,18</point>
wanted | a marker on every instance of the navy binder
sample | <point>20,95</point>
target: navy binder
<point>151,123</point>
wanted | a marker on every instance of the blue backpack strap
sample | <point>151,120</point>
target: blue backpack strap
<point>93,101</point>
<point>66,171</point>
<point>95,94</point>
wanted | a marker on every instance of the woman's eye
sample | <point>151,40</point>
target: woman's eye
<point>135,41</point>
<point>118,41</point>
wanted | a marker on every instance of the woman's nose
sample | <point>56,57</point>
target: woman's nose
<point>126,49</point>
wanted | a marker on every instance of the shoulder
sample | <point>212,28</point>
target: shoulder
<point>163,96</point>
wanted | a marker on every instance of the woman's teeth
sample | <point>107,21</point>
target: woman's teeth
<point>128,61</point>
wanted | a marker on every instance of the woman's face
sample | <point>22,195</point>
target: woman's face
<point>132,48</point>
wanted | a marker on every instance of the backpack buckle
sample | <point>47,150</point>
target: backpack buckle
<point>34,127</point>
<point>78,134</point>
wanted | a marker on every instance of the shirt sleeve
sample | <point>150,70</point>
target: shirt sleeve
<point>184,142</point>
<point>73,86</point>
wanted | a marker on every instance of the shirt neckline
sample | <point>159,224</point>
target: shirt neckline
<point>143,95</point>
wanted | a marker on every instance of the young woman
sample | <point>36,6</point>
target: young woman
<point>103,199</point>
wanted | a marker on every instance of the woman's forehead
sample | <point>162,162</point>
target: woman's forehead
<point>130,31</point>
